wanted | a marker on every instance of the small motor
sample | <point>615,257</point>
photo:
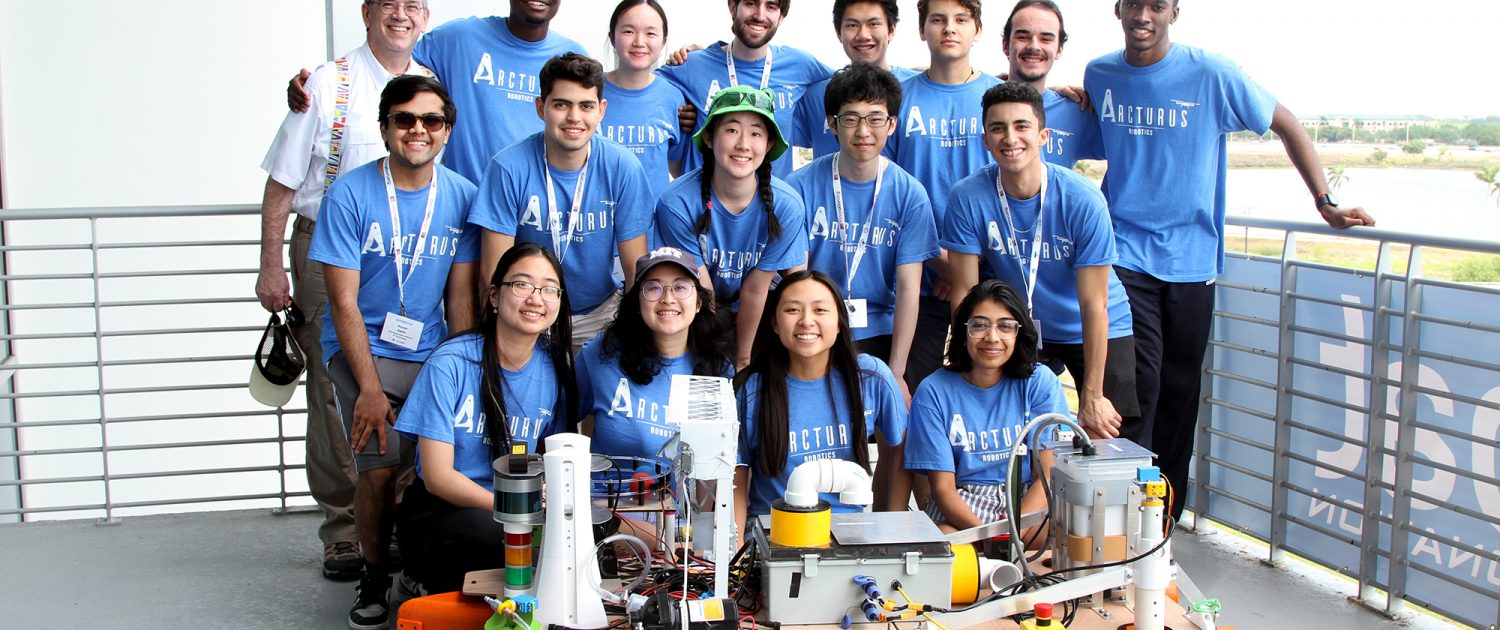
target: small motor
<point>663,612</point>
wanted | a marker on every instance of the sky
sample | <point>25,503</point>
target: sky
<point>1318,57</point>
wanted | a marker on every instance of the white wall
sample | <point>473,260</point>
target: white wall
<point>174,101</point>
<point>149,102</point>
<point>167,102</point>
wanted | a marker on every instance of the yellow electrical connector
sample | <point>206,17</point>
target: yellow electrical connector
<point>1156,489</point>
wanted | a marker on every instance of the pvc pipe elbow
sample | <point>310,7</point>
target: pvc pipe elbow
<point>828,475</point>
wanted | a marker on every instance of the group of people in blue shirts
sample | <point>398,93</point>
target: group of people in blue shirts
<point>911,286</point>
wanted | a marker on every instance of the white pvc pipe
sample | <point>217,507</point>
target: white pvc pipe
<point>828,475</point>
<point>1152,574</point>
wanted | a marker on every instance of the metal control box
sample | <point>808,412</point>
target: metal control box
<point>1097,517</point>
<point>816,585</point>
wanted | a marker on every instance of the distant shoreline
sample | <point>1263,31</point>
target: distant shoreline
<point>1271,154</point>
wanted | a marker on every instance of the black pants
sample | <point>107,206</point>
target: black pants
<point>878,347</point>
<point>927,344</point>
<point>1119,380</point>
<point>1172,323</point>
<point>440,542</point>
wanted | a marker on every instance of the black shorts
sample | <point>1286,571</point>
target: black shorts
<point>1119,370</point>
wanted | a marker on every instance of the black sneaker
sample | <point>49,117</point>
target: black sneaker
<point>403,590</point>
<point>342,562</point>
<point>370,611</point>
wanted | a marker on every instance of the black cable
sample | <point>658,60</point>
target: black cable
<point>1055,577</point>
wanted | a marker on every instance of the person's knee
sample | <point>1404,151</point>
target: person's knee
<point>381,479</point>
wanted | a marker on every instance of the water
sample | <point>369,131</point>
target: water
<point>1440,202</point>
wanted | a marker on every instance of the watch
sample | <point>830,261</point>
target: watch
<point>1326,199</point>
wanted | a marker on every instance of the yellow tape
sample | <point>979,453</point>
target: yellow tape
<point>801,529</point>
<point>965,574</point>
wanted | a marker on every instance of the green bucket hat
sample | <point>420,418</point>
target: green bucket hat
<point>743,98</point>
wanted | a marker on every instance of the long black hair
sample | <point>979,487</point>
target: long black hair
<point>557,340</point>
<point>762,181</point>
<point>1024,352</point>
<point>769,359</point>
<point>629,339</point>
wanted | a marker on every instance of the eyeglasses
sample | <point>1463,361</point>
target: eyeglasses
<point>979,327</point>
<point>389,8</point>
<point>654,290</point>
<point>523,289</point>
<point>406,120</point>
<point>759,99</point>
<point>876,120</point>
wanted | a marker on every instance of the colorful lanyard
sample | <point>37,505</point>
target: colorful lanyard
<point>864,232</point>
<point>340,121</point>
<point>561,240</point>
<point>390,194</point>
<point>1036,239</point>
<point>734,79</point>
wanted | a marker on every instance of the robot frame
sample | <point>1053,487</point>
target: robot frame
<point>802,564</point>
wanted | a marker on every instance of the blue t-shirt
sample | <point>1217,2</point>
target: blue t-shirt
<point>734,243</point>
<point>1075,133</point>
<point>900,231</point>
<point>645,122</point>
<point>1164,129</point>
<point>704,74</point>
<point>629,418</point>
<point>819,426</point>
<point>962,429</point>
<point>354,231</point>
<point>446,404</point>
<point>512,200</point>
<point>1076,234</point>
<point>492,77</point>
<point>939,138</point>
<point>812,117</point>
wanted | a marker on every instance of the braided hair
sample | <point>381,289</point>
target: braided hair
<point>706,181</point>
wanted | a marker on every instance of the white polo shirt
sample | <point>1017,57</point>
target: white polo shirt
<point>298,158</point>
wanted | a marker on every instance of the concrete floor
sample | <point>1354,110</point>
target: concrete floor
<point>254,569</point>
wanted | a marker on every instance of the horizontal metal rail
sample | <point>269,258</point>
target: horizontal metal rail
<point>1397,326</point>
<point>142,375</point>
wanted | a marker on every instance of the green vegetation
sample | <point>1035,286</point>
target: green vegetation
<point>1379,156</point>
<point>1415,146</point>
<point>1336,178</point>
<point>1490,174</point>
<point>1477,269</point>
<point>1440,264</point>
<point>1463,132</point>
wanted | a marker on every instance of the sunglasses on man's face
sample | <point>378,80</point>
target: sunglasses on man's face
<point>406,120</point>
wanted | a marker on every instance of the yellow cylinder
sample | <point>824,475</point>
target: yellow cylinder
<point>801,527</point>
<point>965,574</point>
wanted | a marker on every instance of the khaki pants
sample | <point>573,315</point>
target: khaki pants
<point>588,325</point>
<point>330,467</point>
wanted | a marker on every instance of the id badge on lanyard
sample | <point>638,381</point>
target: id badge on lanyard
<point>1028,270</point>
<point>857,308</point>
<point>400,330</point>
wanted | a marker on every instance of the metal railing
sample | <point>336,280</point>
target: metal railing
<point>128,334</point>
<point>122,391</point>
<point>1351,417</point>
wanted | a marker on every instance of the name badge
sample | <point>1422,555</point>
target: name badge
<point>401,331</point>
<point>859,317</point>
<point>1038,324</point>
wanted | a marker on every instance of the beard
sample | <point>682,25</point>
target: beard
<point>741,33</point>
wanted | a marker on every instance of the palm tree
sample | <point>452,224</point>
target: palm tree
<point>1490,175</point>
<point>1336,178</point>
